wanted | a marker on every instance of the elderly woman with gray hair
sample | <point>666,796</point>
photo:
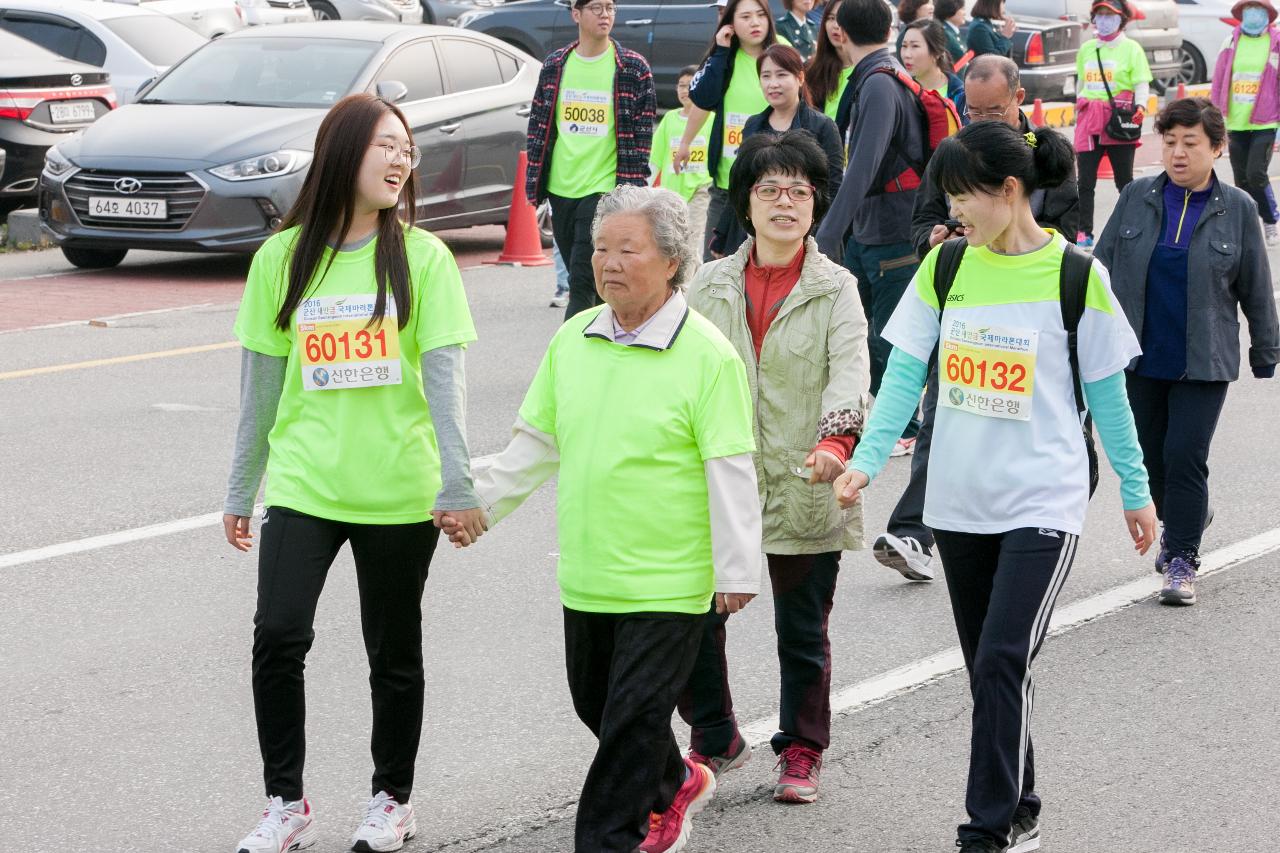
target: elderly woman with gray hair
<point>643,408</point>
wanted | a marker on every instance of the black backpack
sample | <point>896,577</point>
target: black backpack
<point>1073,284</point>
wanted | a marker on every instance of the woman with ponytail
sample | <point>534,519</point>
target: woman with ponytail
<point>1009,476</point>
<point>352,395</point>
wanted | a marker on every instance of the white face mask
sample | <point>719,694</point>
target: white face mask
<point>1106,25</point>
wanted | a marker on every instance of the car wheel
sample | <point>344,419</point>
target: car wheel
<point>1190,70</point>
<point>428,17</point>
<point>94,259</point>
<point>324,11</point>
<point>544,225</point>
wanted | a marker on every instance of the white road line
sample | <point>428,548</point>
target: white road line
<point>137,534</point>
<point>917,674</point>
<point>111,317</point>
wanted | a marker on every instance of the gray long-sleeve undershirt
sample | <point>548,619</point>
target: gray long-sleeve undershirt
<point>262,380</point>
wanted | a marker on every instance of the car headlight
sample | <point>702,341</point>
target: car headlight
<point>466,19</point>
<point>271,165</point>
<point>55,164</point>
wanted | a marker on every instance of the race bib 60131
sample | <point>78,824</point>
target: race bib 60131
<point>338,347</point>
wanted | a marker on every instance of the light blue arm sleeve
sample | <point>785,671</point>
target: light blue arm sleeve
<point>1109,404</point>
<point>895,405</point>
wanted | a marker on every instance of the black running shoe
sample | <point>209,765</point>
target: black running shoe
<point>1026,831</point>
<point>979,845</point>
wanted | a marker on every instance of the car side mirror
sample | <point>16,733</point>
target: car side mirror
<point>143,87</point>
<point>392,91</point>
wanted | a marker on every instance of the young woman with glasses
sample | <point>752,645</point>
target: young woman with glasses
<point>796,320</point>
<point>353,324</point>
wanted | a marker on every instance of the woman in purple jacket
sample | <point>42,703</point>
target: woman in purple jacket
<point>1246,88</point>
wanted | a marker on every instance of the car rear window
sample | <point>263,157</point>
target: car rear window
<point>277,72</point>
<point>161,41</point>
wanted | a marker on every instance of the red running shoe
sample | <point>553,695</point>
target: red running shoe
<point>798,781</point>
<point>738,753</point>
<point>670,830</point>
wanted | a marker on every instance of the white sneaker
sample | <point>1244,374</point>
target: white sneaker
<point>560,300</point>
<point>1272,234</point>
<point>387,825</point>
<point>284,827</point>
<point>904,555</point>
<point>903,447</point>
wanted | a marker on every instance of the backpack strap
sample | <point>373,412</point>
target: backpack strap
<point>1073,285</point>
<point>946,267</point>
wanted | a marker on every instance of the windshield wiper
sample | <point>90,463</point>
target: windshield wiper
<point>240,103</point>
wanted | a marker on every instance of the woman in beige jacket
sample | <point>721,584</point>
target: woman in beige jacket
<point>797,322</point>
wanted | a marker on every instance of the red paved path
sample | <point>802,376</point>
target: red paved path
<point>84,295</point>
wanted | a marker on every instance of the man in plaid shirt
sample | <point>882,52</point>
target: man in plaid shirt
<point>589,130</point>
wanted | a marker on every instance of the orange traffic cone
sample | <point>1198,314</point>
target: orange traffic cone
<point>1182,90</point>
<point>523,246</point>
<point>1104,168</point>
<point>1037,114</point>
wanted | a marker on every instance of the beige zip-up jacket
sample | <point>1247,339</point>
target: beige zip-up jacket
<point>809,383</point>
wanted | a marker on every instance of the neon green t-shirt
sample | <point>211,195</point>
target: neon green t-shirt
<point>833,102</point>
<point>1246,74</point>
<point>584,159</point>
<point>743,99</point>
<point>634,427</point>
<point>666,141</point>
<point>1124,62</point>
<point>353,439</point>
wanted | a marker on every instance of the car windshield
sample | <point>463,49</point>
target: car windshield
<point>162,41</point>
<point>271,72</point>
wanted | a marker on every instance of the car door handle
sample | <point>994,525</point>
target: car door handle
<point>639,22</point>
<point>524,111</point>
<point>450,128</point>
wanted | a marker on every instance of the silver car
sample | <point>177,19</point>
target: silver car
<point>214,153</point>
<point>210,18</point>
<point>133,44</point>
<point>259,13</point>
<point>404,11</point>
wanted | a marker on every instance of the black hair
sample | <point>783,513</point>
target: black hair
<point>945,10</point>
<point>1190,112</point>
<point>981,156</point>
<point>989,9</point>
<point>726,20</point>
<point>935,39</point>
<point>792,152</point>
<point>1126,12</point>
<point>909,10</point>
<point>687,71</point>
<point>865,22</point>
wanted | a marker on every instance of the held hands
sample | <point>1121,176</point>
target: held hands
<point>1142,527</point>
<point>462,526</point>
<point>732,602</point>
<point>236,528</point>
<point>849,486</point>
<point>825,467</point>
<point>724,35</point>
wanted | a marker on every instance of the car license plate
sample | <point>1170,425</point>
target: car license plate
<point>116,207</point>
<point>71,111</point>
<point>1069,86</point>
<point>1164,56</point>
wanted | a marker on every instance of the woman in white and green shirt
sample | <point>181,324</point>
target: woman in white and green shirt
<point>828,72</point>
<point>1008,475</point>
<point>727,85</point>
<point>353,324</point>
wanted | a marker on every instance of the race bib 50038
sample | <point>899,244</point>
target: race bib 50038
<point>987,370</point>
<point>584,112</point>
<point>338,347</point>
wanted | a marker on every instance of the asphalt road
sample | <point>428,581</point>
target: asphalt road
<point>125,707</point>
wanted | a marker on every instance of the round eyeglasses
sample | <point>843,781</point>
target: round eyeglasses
<point>602,10</point>
<point>412,154</point>
<point>773,192</point>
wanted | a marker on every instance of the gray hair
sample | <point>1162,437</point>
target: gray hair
<point>668,216</point>
<point>984,67</point>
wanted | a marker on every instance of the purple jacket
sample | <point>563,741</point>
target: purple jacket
<point>1267,108</point>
